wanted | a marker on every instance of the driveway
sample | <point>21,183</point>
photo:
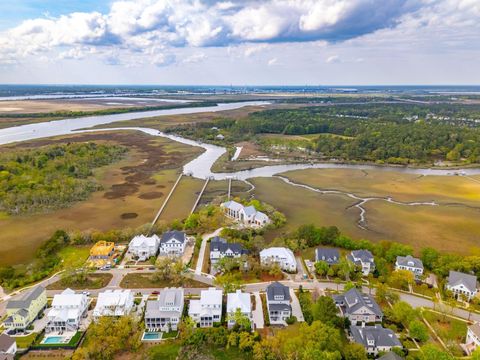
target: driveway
<point>257,314</point>
<point>300,269</point>
<point>296,309</point>
<point>201,254</point>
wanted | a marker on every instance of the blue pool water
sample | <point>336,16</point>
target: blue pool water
<point>53,340</point>
<point>152,336</point>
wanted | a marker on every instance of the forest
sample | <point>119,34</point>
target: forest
<point>381,133</point>
<point>51,177</point>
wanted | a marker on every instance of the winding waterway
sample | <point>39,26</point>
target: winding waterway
<point>201,166</point>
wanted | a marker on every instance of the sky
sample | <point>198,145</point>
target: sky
<point>240,42</point>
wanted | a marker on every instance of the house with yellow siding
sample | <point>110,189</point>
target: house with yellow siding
<point>101,254</point>
<point>22,312</point>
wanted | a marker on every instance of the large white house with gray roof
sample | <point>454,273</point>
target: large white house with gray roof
<point>461,284</point>
<point>144,247</point>
<point>282,256</point>
<point>364,259</point>
<point>278,303</point>
<point>208,309</point>
<point>247,215</point>
<point>410,263</point>
<point>238,301</point>
<point>358,307</point>
<point>173,243</point>
<point>165,313</point>
<point>374,339</point>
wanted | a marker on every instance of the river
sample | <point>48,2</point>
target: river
<point>201,166</point>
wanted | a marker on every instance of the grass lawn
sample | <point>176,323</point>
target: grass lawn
<point>424,290</point>
<point>450,330</point>
<point>169,335</point>
<point>168,350</point>
<point>144,281</point>
<point>24,342</point>
<point>95,281</point>
<point>74,256</point>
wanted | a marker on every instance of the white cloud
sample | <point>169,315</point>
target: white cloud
<point>195,58</point>
<point>334,59</point>
<point>273,61</point>
<point>251,50</point>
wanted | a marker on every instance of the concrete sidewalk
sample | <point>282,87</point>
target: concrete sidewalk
<point>257,314</point>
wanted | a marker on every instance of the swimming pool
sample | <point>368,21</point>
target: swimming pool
<point>53,340</point>
<point>151,336</point>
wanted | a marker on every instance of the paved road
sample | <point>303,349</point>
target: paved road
<point>201,254</point>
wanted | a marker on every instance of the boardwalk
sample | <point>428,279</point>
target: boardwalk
<point>166,201</point>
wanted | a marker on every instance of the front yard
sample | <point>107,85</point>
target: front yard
<point>452,331</point>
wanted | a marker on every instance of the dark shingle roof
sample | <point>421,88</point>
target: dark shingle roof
<point>354,300</point>
<point>331,256</point>
<point>409,261</point>
<point>275,289</point>
<point>220,244</point>
<point>456,278</point>
<point>380,335</point>
<point>174,234</point>
<point>26,299</point>
<point>363,255</point>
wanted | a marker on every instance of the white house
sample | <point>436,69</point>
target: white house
<point>165,313</point>
<point>363,259</point>
<point>173,243</point>
<point>358,307</point>
<point>461,284</point>
<point>278,303</point>
<point>113,303</point>
<point>473,338</point>
<point>143,247</point>
<point>247,215</point>
<point>208,310</point>
<point>8,346</point>
<point>238,300</point>
<point>68,309</point>
<point>411,264</point>
<point>279,255</point>
<point>375,339</point>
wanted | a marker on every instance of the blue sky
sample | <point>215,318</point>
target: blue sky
<point>312,42</point>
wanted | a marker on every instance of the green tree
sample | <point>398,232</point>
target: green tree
<point>418,330</point>
<point>321,267</point>
<point>354,351</point>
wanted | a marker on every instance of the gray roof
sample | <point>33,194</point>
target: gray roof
<point>174,295</point>
<point>220,244</point>
<point>329,255</point>
<point>456,278</point>
<point>390,356</point>
<point>275,289</point>
<point>6,342</point>
<point>380,335</point>
<point>174,234</point>
<point>364,255</point>
<point>25,301</point>
<point>409,260</point>
<point>353,300</point>
<point>279,307</point>
<point>249,210</point>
